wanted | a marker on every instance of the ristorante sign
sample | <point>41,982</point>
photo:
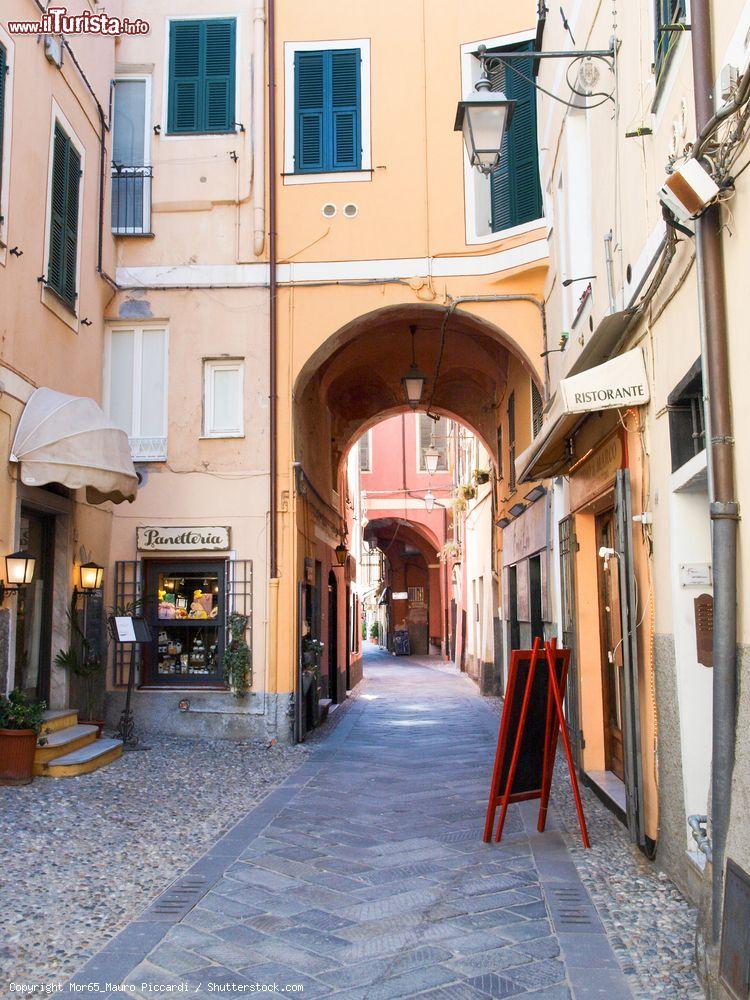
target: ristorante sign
<point>619,383</point>
<point>177,538</point>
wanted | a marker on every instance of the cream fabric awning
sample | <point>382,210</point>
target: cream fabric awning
<point>617,384</point>
<point>69,440</point>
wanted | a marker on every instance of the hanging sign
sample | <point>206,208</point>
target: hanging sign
<point>177,538</point>
<point>619,383</point>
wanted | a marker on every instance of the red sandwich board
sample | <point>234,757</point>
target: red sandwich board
<point>527,742</point>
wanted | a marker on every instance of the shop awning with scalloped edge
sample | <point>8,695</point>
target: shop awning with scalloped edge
<point>69,440</point>
<point>617,384</point>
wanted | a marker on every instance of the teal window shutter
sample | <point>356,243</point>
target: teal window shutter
<point>3,77</point>
<point>63,242</point>
<point>667,12</point>
<point>201,76</point>
<point>327,110</point>
<point>515,193</point>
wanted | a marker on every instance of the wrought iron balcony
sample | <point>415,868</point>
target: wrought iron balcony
<point>131,200</point>
<point>148,449</point>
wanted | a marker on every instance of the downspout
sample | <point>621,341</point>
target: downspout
<point>723,502</point>
<point>273,289</point>
<point>259,131</point>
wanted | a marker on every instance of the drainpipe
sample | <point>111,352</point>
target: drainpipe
<point>273,287</point>
<point>723,502</point>
<point>259,119</point>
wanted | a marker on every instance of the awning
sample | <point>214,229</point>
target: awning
<point>617,384</point>
<point>69,440</point>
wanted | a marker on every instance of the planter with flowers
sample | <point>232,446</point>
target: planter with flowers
<point>21,721</point>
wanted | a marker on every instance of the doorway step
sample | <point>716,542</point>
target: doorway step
<point>72,749</point>
<point>324,707</point>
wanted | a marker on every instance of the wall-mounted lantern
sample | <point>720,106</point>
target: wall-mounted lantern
<point>19,572</point>
<point>341,553</point>
<point>484,117</point>
<point>91,578</point>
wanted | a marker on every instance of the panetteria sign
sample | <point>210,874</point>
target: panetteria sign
<point>618,383</point>
<point>181,539</point>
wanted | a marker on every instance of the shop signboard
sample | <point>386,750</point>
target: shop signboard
<point>178,538</point>
<point>597,473</point>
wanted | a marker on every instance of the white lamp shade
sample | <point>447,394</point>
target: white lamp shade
<point>429,502</point>
<point>413,383</point>
<point>484,119</point>
<point>431,460</point>
<point>19,569</point>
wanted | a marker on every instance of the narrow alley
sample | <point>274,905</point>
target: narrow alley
<point>363,875</point>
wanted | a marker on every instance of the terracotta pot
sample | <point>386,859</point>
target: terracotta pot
<point>93,722</point>
<point>17,748</point>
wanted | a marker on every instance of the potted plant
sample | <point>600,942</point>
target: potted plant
<point>85,663</point>
<point>481,476</point>
<point>466,491</point>
<point>21,722</point>
<point>459,505</point>
<point>238,672</point>
<point>312,650</point>
<point>451,550</point>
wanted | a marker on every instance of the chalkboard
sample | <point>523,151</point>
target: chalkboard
<point>539,730</point>
<point>401,645</point>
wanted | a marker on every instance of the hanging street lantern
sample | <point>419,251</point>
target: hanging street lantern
<point>484,117</point>
<point>431,459</point>
<point>341,553</point>
<point>413,381</point>
<point>429,501</point>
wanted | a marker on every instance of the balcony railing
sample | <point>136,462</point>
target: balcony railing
<point>131,200</point>
<point>148,449</point>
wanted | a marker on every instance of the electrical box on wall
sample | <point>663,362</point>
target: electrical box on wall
<point>53,49</point>
<point>688,190</point>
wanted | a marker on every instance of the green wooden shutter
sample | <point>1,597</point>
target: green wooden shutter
<point>218,97</point>
<point>201,76</point>
<point>63,241</point>
<point>309,80</point>
<point>3,77</point>
<point>327,130</point>
<point>515,193</point>
<point>184,76</point>
<point>345,114</point>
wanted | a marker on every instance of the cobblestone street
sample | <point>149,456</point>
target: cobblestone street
<point>363,875</point>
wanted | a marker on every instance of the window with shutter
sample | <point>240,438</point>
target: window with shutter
<point>201,76</point>
<point>512,442</point>
<point>63,240</point>
<point>515,192</point>
<point>668,12</point>
<point>537,410</point>
<point>3,75</point>
<point>327,111</point>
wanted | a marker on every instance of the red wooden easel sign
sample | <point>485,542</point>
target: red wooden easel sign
<point>527,742</point>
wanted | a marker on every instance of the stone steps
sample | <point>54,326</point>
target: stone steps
<point>71,748</point>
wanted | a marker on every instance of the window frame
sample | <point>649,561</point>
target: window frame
<point>210,366</point>
<point>364,173</point>
<point>476,185</point>
<point>136,375</point>
<point>368,436</point>
<point>67,312</point>
<point>5,140</point>
<point>164,134</point>
<point>147,79</point>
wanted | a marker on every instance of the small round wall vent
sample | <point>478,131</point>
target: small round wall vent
<point>329,210</point>
<point>351,211</point>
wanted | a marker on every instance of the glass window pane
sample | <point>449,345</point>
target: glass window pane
<point>188,629</point>
<point>121,379</point>
<point>130,122</point>
<point>227,404</point>
<point>153,384</point>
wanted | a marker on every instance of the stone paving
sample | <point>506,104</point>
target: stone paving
<point>363,875</point>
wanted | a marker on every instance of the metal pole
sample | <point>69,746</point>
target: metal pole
<point>273,291</point>
<point>723,503</point>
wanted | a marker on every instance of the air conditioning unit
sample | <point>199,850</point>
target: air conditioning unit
<point>688,190</point>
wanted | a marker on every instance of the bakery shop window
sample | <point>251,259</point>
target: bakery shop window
<point>186,608</point>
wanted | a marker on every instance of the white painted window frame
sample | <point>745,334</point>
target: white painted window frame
<point>192,136</point>
<point>9,46</point>
<point>338,176</point>
<point>66,313</point>
<point>210,367</point>
<point>476,184</point>
<point>147,78</point>
<point>134,435</point>
<point>368,435</point>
